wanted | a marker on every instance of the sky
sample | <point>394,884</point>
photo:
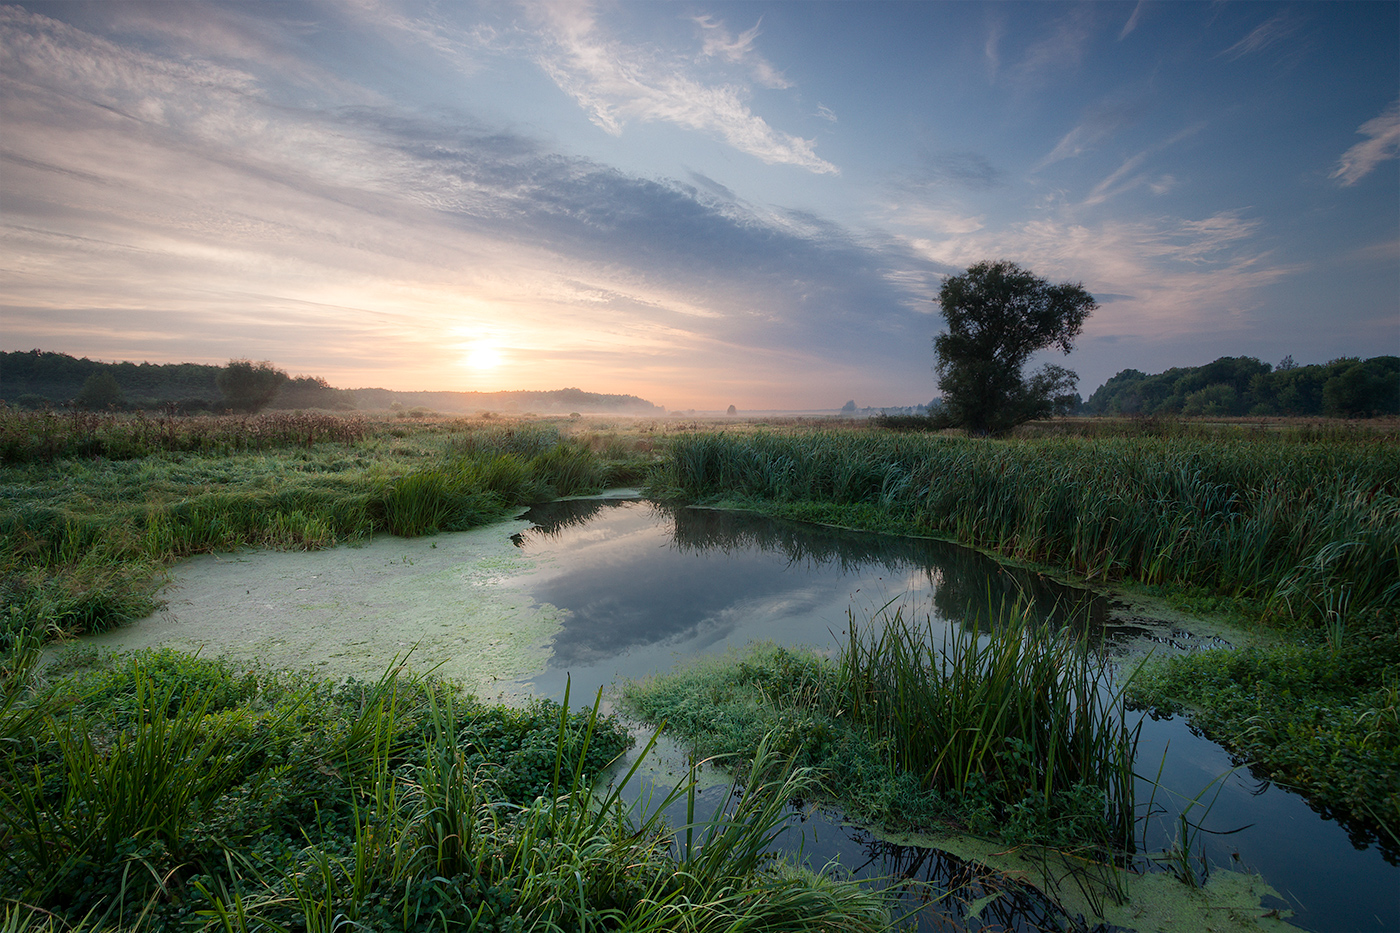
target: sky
<point>702,204</point>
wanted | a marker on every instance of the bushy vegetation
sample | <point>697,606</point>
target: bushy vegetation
<point>1010,729</point>
<point>1290,529</point>
<point>1291,525</point>
<point>1322,716</point>
<point>1233,386</point>
<point>163,792</point>
<point>96,505</point>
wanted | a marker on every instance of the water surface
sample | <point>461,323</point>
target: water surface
<point>639,586</point>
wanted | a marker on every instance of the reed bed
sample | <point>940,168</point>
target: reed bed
<point>1019,717</point>
<point>1301,526</point>
<point>1009,729</point>
<point>166,792</point>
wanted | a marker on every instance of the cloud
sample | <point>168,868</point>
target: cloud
<point>1270,32</point>
<point>614,82</point>
<point>826,113</point>
<point>1061,47</point>
<point>1168,276</point>
<point>1384,143</point>
<point>353,241</point>
<point>1132,22</point>
<point>1100,122</point>
<point>739,50</point>
<point>962,169</point>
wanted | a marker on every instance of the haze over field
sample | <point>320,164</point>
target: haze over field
<point>701,204</point>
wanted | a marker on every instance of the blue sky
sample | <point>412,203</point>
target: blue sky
<point>702,204</point>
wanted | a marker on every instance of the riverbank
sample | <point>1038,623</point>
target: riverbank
<point>1297,538</point>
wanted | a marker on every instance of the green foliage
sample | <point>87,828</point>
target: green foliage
<point>81,547</point>
<point>1010,735</point>
<point>1322,717</point>
<point>1236,386</point>
<point>998,314</point>
<point>99,391</point>
<point>1304,531</point>
<point>46,436</point>
<point>58,377</point>
<point>163,791</point>
<point>249,387</point>
<point>1291,524</point>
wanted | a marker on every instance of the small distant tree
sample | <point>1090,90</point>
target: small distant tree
<point>247,386</point>
<point>998,314</point>
<point>732,410</point>
<point>99,391</point>
<point>849,408</point>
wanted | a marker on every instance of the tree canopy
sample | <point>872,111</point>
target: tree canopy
<point>249,386</point>
<point>998,314</point>
<point>1236,386</point>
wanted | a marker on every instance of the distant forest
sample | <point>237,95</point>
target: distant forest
<point>39,379</point>
<point>1241,385</point>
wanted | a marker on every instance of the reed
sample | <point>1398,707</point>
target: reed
<point>1018,718</point>
<point>1292,524</point>
<point>1010,729</point>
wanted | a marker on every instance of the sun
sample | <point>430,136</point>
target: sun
<point>483,355</point>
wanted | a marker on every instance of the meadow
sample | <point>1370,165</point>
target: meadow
<point>140,788</point>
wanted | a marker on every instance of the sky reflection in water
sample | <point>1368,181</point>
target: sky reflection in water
<point>645,585</point>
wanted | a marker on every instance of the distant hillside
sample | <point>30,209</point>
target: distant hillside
<point>1241,385</point>
<point>36,378</point>
<point>558,401</point>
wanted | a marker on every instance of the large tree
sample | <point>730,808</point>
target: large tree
<point>249,386</point>
<point>998,314</point>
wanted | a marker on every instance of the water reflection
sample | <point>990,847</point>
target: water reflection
<point>642,585</point>
<point>643,573</point>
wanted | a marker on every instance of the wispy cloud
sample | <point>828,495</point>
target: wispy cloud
<point>739,49</point>
<point>1127,177</point>
<point>352,239</point>
<point>1384,143</point>
<point>1170,276</point>
<point>1061,48</point>
<point>1270,32</point>
<point>1133,19</point>
<point>971,170</point>
<point>1099,123</point>
<point>614,82</point>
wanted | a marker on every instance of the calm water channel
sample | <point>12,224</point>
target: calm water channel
<point>642,586</point>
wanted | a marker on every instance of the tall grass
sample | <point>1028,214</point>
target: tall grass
<point>1021,718</point>
<point>1293,524</point>
<point>1012,731</point>
<point>81,548</point>
<point>46,436</point>
<point>172,793</point>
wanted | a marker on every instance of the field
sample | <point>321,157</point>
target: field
<point>1293,530</point>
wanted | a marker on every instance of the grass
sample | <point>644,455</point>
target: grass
<point>1009,730</point>
<point>1289,524</point>
<point>97,505</point>
<point>1295,528</point>
<point>164,791</point>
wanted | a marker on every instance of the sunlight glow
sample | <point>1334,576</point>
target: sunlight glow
<point>483,355</point>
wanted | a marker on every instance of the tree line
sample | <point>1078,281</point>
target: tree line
<point>1348,387</point>
<point>42,379</point>
<point>36,379</point>
<point>998,314</point>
